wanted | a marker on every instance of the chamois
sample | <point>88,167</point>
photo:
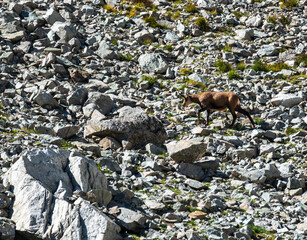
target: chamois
<point>217,101</point>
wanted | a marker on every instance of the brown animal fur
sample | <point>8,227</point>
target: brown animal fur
<point>217,101</point>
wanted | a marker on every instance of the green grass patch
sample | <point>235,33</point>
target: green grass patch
<point>272,19</point>
<point>146,3</point>
<point>186,71</point>
<point>260,232</point>
<point>152,22</point>
<point>284,20</point>
<point>227,48</point>
<point>31,131</point>
<point>258,120</point>
<point>232,74</point>
<point>241,66</point>
<point>222,66</point>
<point>109,8</point>
<point>124,57</point>
<point>290,131</point>
<point>175,190</point>
<point>302,58</point>
<point>259,66</point>
<point>277,67</point>
<point>66,145</point>
<point>191,8</point>
<point>239,14</point>
<point>168,47</point>
<point>202,23</point>
<point>150,79</point>
<point>289,3</point>
<point>202,86</point>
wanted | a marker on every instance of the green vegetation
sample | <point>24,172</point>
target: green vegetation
<point>272,19</point>
<point>258,120</point>
<point>152,21</point>
<point>239,14</point>
<point>146,3</point>
<point>185,71</point>
<point>191,8</point>
<point>284,20</point>
<point>126,58</point>
<point>150,79</point>
<point>65,145</point>
<point>232,74</point>
<point>259,66</point>
<point>175,190</point>
<point>168,47</point>
<point>109,8</point>
<point>302,58</point>
<point>202,23</point>
<point>241,66</point>
<point>222,66</point>
<point>213,12</point>
<point>29,130</point>
<point>202,86</point>
<point>275,67</point>
<point>114,42</point>
<point>289,3</point>
<point>290,131</point>
<point>261,233</point>
<point>227,48</point>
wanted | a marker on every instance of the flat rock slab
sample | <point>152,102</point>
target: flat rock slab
<point>186,151</point>
<point>191,171</point>
<point>286,100</point>
<point>43,182</point>
<point>133,125</point>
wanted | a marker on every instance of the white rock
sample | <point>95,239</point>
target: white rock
<point>286,100</point>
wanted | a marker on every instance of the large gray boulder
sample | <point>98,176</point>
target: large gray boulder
<point>267,50</point>
<point>286,100</point>
<point>245,34</point>
<point>43,182</point>
<point>97,101</point>
<point>153,63</point>
<point>133,125</point>
<point>186,150</point>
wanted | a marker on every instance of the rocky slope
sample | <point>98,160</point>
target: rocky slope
<point>96,145</point>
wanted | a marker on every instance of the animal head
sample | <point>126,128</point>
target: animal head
<point>187,101</point>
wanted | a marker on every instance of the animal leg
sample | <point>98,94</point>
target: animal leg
<point>226,116</point>
<point>246,113</point>
<point>208,114</point>
<point>234,117</point>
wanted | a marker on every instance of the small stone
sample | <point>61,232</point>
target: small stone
<point>197,215</point>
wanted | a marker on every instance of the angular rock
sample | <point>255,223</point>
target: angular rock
<point>78,97</point>
<point>208,164</point>
<point>46,99</point>
<point>245,34</point>
<point>267,50</point>
<point>286,100</point>
<point>195,184</point>
<point>64,30</point>
<point>133,125</point>
<point>131,220</point>
<point>153,63</point>
<point>53,16</point>
<point>43,181</point>
<point>191,171</point>
<point>154,205</point>
<point>7,229</point>
<point>144,36</point>
<point>97,101</point>
<point>66,131</point>
<point>185,150</point>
